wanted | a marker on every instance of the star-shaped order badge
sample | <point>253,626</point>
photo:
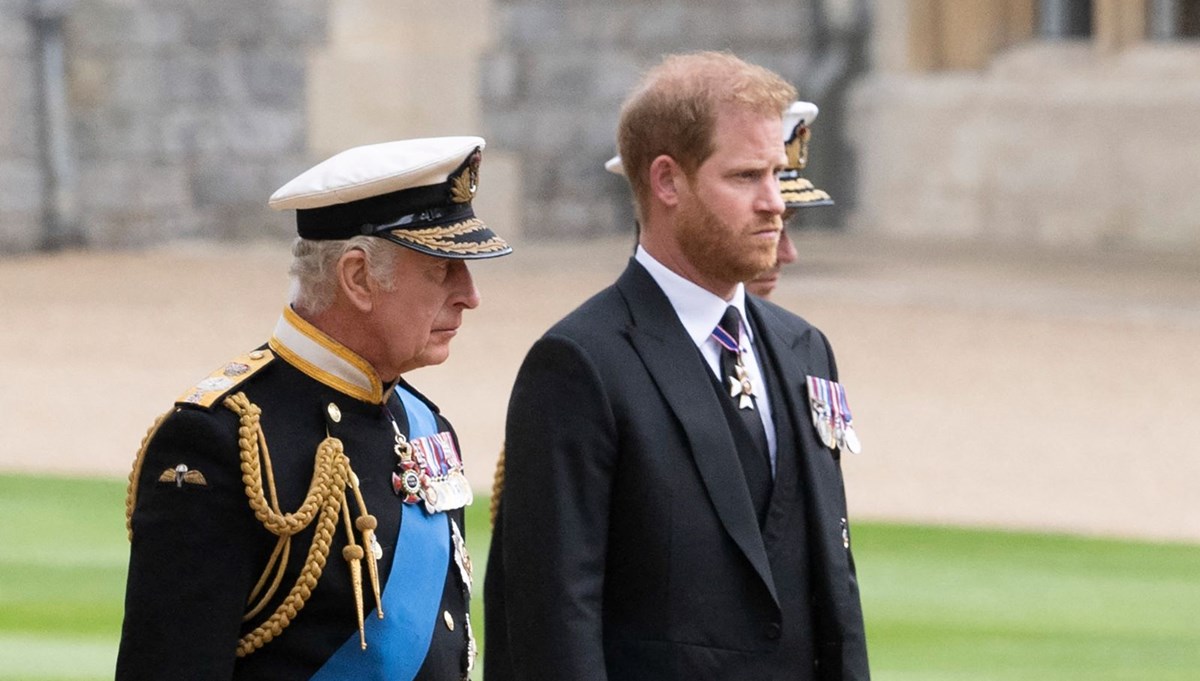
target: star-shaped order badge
<point>739,384</point>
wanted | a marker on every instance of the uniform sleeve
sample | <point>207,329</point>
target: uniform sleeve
<point>561,449</point>
<point>193,556</point>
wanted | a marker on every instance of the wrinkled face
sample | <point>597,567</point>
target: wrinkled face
<point>764,284</point>
<point>728,219</point>
<point>415,321</point>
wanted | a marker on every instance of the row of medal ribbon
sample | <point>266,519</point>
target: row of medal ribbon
<point>431,469</point>
<point>831,414</point>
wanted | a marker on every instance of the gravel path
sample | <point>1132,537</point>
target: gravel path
<point>1002,389</point>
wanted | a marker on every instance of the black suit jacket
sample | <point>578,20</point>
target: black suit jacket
<point>626,545</point>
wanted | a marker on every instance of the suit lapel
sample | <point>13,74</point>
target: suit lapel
<point>794,357</point>
<point>675,366</point>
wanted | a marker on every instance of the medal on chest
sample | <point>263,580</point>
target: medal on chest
<point>406,479</point>
<point>430,470</point>
<point>831,414</point>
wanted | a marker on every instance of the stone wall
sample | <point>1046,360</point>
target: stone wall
<point>1054,146</point>
<point>184,116</point>
<point>395,69</point>
<point>1082,144</point>
<point>20,175</point>
<point>553,84</point>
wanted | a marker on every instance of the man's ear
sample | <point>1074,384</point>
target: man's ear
<point>355,281</point>
<point>665,176</point>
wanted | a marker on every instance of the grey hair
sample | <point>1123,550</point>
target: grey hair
<point>314,269</point>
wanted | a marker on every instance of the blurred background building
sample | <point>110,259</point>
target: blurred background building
<point>1048,122</point>
<point>1051,122</point>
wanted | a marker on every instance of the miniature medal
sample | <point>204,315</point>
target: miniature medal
<point>462,558</point>
<point>849,437</point>
<point>406,479</point>
<point>822,414</point>
<point>443,485</point>
<point>831,414</point>
<point>472,648</point>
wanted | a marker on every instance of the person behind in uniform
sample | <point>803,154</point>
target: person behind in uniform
<point>299,513</point>
<point>673,504</point>
<point>797,192</point>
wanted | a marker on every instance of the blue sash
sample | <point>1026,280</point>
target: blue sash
<point>412,597</point>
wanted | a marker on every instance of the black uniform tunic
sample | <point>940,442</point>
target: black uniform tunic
<point>198,550</point>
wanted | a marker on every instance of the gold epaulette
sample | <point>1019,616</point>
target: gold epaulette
<point>229,376</point>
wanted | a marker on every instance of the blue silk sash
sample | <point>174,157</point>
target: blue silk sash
<point>397,644</point>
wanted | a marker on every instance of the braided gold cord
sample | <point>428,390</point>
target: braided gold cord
<point>497,487</point>
<point>367,524</point>
<point>282,549</point>
<point>131,492</point>
<point>353,554</point>
<point>314,566</point>
<point>326,495</point>
<point>249,436</point>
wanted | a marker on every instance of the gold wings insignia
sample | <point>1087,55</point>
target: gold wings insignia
<point>195,478</point>
<point>181,474</point>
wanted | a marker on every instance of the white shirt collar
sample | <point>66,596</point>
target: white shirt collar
<point>323,359</point>
<point>697,308</point>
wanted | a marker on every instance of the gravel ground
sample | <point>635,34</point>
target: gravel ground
<point>1006,388</point>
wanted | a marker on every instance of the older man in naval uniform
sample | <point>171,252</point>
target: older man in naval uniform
<point>299,513</point>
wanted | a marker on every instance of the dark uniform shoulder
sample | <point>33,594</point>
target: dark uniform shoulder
<point>209,391</point>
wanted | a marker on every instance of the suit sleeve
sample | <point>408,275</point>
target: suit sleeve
<point>191,557</point>
<point>561,454</point>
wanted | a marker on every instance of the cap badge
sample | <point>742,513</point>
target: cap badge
<point>797,147</point>
<point>465,182</point>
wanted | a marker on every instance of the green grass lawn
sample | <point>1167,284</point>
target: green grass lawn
<point>941,603</point>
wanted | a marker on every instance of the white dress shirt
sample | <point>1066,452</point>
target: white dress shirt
<point>700,310</point>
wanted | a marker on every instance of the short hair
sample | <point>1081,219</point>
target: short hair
<point>314,269</point>
<point>673,110</point>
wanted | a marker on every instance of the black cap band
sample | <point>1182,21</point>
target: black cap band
<point>405,209</point>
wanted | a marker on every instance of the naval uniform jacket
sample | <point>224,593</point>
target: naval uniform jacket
<point>197,549</point>
<point>626,545</point>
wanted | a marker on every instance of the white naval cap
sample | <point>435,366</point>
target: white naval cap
<point>797,191</point>
<point>416,193</point>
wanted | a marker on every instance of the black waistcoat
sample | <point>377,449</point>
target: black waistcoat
<point>780,508</point>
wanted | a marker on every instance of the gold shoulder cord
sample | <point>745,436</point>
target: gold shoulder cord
<point>497,487</point>
<point>326,498</point>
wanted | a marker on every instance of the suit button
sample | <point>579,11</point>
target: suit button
<point>772,630</point>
